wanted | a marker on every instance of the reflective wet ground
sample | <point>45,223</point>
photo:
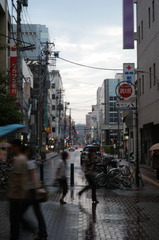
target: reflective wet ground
<point>122,214</point>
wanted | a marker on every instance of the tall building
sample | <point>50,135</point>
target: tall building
<point>57,106</point>
<point>33,34</point>
<point>110,118</point>
<point>88,128</point>
<point>47,98</point>
<point>148,76</point>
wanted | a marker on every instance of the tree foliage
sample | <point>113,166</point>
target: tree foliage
<point>9,110</point>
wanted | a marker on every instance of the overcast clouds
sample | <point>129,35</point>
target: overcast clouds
<point>87,32</point>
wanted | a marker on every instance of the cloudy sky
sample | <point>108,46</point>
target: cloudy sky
<point>86,32</point>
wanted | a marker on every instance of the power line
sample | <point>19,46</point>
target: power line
<point>82,65</point>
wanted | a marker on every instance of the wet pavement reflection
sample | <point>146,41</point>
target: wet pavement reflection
<point>122,214</point>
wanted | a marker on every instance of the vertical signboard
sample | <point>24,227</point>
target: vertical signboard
<point>128,24</point>
<point>128,72</point>
<point>13,75</point>
<point>27,86</point>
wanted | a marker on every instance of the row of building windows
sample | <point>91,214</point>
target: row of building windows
<point>151,19</point>
<point>112,98</point>
<point>152,80</point>
<point>29,33</point>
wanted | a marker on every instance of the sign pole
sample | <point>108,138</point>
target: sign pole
<point>137,143</point>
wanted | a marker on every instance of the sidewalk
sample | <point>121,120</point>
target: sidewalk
<point>122,214</point>
<point>50,154</point>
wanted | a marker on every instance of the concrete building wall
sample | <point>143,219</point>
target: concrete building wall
<point>148,75</point>
<point>4,30</point>
<point>148,55</point>
<point>33,34</point>
<point>107,116</point>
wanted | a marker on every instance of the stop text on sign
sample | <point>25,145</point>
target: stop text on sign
<point>125,90</point>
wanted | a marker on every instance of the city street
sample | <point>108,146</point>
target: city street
<point>121,214</point>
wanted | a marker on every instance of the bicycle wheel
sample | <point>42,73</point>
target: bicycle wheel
<point>4,179</point>
<point>101,180</point>
<point>4,183</point>
<point>126,171</point>
<point>114,177</point>
<point>126,177</point>
<point>127,180</point>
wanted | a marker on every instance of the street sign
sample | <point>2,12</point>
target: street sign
<point>128,72</point>
<point>125,90</point>
<point>126,104</point>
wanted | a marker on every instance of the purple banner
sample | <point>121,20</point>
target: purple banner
<point>128,24</point>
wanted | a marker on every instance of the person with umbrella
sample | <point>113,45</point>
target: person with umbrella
<point>155,163</point>
<point>155,159</point>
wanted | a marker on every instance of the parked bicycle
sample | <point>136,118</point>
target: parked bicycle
<point>107,177</point>
<point>114,177</point>
<point>118,176</point>
<point>4,174</point>
<point>133,173</point>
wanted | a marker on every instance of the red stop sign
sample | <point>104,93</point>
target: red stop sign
<point>125,90</point>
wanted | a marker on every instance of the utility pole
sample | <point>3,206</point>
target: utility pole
<point>118,134</point>
<point>19,47</point>
<point>60,108</point>
<point>70,128</point>
<point>65,123</point>
<point>43,94</point>
<point>18,44</point>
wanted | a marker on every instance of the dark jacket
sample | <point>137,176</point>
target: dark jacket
<point>155,161</point>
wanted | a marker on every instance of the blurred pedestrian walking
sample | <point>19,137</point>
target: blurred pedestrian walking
<point>33,191</point>
<point>60,175</point>
<point>88,167</point>
<point>17,188</point>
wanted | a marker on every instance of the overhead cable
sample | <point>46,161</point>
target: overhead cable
<point>98,68</point>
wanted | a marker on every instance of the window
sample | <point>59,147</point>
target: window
<point>142,30</point>
<point>113,117</point>
<point>150,77</point>
<point>53,85</point>
<point>111,106</point>
<point>138,34</point>
<point>149,17</point>
<point>154,73</point>
<point>53,96</point>
<point>142,84</point>
<point>53,107</point>
<point>153,10</point>
<point>112,98</point>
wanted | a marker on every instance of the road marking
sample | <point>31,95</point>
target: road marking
<point>150,180</point>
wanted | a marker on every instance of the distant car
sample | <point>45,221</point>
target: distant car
<point>85,151</point>
<point>71,148</point>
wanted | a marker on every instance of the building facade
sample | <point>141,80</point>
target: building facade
<point>148,76</point>
<point>110,118</point>
<point>5,26</point>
